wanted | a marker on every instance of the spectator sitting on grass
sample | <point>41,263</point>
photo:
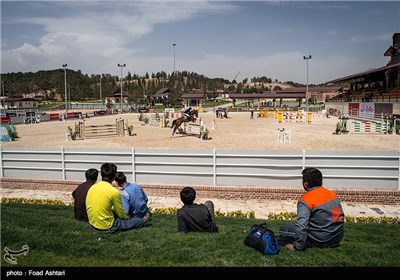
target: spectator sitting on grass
<point>104,206</point>
<point>195,217</point>
<point>134,199</point>
<point>80,193</point>
<point>320,217</point>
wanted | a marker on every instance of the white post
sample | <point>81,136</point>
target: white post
<point>398,177</point>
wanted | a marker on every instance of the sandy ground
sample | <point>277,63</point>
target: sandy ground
<point>238,132</point>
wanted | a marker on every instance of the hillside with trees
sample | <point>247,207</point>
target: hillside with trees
<point>50,85</point>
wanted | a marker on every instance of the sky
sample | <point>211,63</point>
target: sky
<point>219,39</point>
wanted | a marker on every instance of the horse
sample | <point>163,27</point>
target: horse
<point>177,123</point>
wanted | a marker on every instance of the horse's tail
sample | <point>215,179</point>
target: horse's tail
<point>173,123</point>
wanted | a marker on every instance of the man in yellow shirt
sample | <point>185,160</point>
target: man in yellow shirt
<point>104,206</point>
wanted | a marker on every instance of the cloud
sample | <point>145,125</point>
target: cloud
<point>94,36</point>
<point>88,35</point>
<point>381,37</point>
<point>285,66</point>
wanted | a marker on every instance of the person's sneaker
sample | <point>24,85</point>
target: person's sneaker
<point>283,240</point>
<point>146,217</point>
<point>279,241</point>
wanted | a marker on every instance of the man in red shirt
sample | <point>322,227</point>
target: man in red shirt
<point>80,193</point>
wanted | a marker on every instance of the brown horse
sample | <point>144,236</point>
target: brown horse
<point>177,123</point>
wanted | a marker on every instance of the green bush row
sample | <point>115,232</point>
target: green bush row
<point>218,213</point>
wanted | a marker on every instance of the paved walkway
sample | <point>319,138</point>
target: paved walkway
<point>261,207</point>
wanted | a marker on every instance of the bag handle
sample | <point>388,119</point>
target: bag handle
<point>264,228</point>
<point>262,225</point>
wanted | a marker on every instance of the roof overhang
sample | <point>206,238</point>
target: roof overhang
<point>361,74</point>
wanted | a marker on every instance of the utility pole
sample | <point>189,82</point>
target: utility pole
<point>65,91</point>
<point>121,65</point>
<point>174,57</point>
<point>308,57</point>
<point>101,98</point>
<point>3,96</point>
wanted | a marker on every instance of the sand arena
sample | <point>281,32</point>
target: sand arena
<point>238,132</point>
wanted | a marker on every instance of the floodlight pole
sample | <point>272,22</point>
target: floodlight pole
<point>121,65</point>
<point>174,56</point>
<point>101,98</point>
<point>65,91</point>
<point>307,58</point>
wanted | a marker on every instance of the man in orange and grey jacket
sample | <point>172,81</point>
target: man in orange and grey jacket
<point>320,217</point>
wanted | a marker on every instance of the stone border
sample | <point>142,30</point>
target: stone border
<point>376,196</point>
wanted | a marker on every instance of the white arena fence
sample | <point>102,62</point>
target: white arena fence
<point>341,169</point>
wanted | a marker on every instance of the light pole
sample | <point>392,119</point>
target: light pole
<point>101,98</point>
<point>121,65</point>
<point>69,97</point>
<point>174,57</point>
<point>65,90</point>
<point>3,96</point>
<point>308,57</point>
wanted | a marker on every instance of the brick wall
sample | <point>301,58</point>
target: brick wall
<point>389,197</point>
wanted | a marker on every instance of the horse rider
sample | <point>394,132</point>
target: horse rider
<point>186,113</point>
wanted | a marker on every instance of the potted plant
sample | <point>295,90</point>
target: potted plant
<point>397,128</point>
<point>13,134</point>
<point>71,133</point>
<point>166,122</point>
<point>205,134</point>
<point>130,130</point>
<point>146,120</point>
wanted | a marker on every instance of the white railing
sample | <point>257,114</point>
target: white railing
<point>209,167</point>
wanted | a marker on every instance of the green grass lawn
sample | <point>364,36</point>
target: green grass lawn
<point>56,239</point>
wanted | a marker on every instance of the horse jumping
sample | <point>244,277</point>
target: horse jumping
<point>177,123</point>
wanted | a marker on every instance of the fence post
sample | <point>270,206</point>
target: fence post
<point>214,169</point>
<point>63,163</point>
<point>304,159</point>
<point>1,162</point>
<point>398,175</point>
<point>133,166</point>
